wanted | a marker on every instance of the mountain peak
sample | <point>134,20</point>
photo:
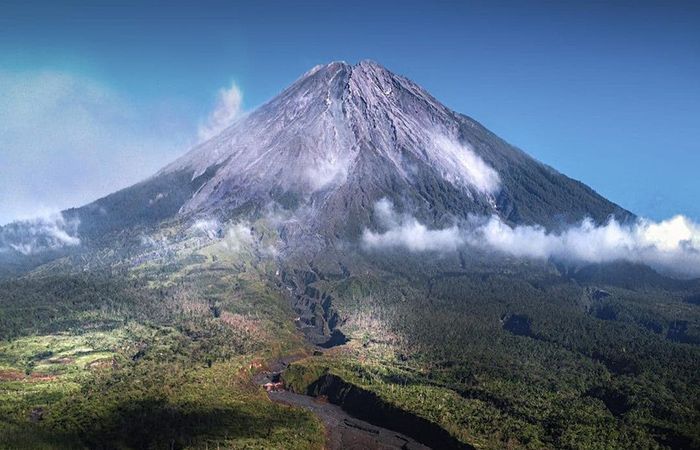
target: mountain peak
<point>362,64</point>
<point>343,136</point>
<point>365,71</point>
<point>333,65</point>
<point>370,64</point>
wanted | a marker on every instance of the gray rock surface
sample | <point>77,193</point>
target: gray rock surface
<point>342,137</point>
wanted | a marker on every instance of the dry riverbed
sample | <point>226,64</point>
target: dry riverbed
<point>343,431</point>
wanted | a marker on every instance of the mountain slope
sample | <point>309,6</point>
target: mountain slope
<point>342,137</point>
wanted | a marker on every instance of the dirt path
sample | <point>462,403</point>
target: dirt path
<point>345,431</point>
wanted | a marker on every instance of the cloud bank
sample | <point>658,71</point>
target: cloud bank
<point>228,108</point>
<point>40,234</point>
<point>671,246</point>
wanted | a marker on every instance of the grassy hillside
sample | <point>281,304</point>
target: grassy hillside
<point>155,357</point>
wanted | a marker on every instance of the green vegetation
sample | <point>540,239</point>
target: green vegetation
<point>518,355</point>
<point>156,357</point>
<point>151,403</point>
<point>160,354</point>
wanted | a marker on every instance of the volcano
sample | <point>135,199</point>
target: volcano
<point>336,141</point>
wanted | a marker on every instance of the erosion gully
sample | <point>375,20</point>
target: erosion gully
<point>354,417</point>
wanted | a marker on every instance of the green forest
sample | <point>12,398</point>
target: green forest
<point>497,354</point>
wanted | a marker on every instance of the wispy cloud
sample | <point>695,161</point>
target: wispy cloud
<point>209,227</point>
<point>238,236</point>
<point>233,237</point>
<point>460,164</point>
<point>229,107</point>
<point>670,246</point>
<point>405,231</point>
<point>39,234</point>
<point>67,140</point>
<point>327,172</point>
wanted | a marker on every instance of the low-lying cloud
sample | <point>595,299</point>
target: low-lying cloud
<point>671,246</point>
<point>405,231</point>
<point>229,107</point>
<point>327,172</point>
<point>238,236</point>
<point>40,234</point>
<point>209,227</point>
<point>233,237</point>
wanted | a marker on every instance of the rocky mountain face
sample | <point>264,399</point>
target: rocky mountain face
<point>343,136</point>
<point>335,142</point>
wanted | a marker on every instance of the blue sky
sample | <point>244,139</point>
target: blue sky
<point>101,94</point>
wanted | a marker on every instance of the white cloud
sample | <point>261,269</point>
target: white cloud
<point>415,237</point>
<point>238,236</point>
<point>385,214</point>
<point>233,237</point>
<point>66,140</point>
<point>210,227</point>
<point>460,163</point>
<point>228,109</point>
<point>39,234</point>
<point>326,172</point>
<point>671,246</point>
<point>407,232</point>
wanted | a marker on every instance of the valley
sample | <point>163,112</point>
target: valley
<point>148,347</point>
